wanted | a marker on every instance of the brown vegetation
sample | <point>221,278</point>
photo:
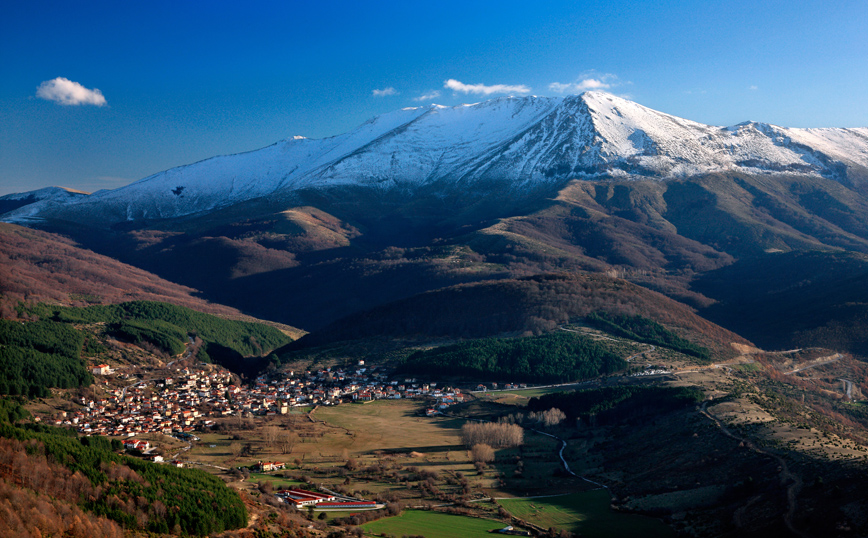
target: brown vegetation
<point>492,434</point>
<point>39,497</point>
<point>39,266</point>
<point>25,514</point>
<point>533,305</point>
<point>482,453</point>
<point>548,418</point>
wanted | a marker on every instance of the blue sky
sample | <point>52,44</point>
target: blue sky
<point>184,81</point>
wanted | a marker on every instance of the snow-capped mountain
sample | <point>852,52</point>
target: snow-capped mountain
<point>39,199</point>
<point>516,143</point>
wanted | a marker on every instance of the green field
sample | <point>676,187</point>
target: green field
<point>587,513</point>
<point>521,396</point>
<point>433,525</point>
<point>276,481</point>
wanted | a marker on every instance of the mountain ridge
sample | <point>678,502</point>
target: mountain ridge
<point>517,144</point>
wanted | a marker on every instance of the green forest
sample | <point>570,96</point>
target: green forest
<point>555,357</point>
<point>38,355</point>
<point>137,494</point>
<point>609,405</point>
<point>167,326</point>
<point>642,329</point>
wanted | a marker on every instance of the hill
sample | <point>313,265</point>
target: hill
<point>528,305</point>
<point>794,299</point>
<point>37,266</point>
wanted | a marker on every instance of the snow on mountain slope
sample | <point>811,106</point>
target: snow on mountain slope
<point>515,143</point>
<point>29,203</point>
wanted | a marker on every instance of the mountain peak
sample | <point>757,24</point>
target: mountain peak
<point>514,143</point>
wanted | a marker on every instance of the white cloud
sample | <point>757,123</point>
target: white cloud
<point>753,88</point>
<point>385,92</point>
<point>482,89</point>
<point>66,92</point>
<point>428,96</point>
<point>585,82</point>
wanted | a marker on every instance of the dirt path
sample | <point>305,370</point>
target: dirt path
<point>795,482</point>
<point>818,362</point>
<point>587,333</point>
<point>848,388</point>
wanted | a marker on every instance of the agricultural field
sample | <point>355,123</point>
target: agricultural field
<point>391,425</point>
<point>433,525</point>
<point>587,513</point>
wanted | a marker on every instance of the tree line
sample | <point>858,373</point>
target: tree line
<point>610,405</point>
<point>642,329</point>
<point>493,434</point>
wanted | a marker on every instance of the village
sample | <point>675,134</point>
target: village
<point>194,397</point>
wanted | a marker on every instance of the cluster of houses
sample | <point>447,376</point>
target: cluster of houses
<point>334,386</point>
<point>191,399</point>
<point>167,405</point>
<point>267,466</point>
<point>652,370</point>
<point>137,444</point>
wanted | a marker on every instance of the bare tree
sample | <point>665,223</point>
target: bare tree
<point>482,453</point>
<point>493,435</point>
<point>553,417</point>
<point>286,440</point>
<point>270,434</point>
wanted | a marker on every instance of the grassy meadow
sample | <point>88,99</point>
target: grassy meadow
<point>587,513</point>
<point>433,525</point>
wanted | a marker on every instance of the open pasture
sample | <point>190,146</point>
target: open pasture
<point>433,525</point>
<point>587,513</point>
<point>389,425</point>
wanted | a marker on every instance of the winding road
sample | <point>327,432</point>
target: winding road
<point>564,461</point>
<point>795,482</point>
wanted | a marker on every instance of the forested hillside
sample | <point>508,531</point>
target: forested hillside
<point>556,357</point>
<point>86,473</point>
<point>167,326</point>
<point>529,305</point>
<point>36,356</point>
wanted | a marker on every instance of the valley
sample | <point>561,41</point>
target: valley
<point>365,431</point>
<point>573,316</point>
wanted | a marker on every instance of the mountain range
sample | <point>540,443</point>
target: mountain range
<point>307,232</point>
<point>728,262</point>
<point>517,143</point>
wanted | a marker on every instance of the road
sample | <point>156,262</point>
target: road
<point>848,388</point>
<point>564,461</point>
<point>631,357</point>
<point>190,349</point>
<point>585,333</point>
<point>818,362</point>
<point>124,392</point>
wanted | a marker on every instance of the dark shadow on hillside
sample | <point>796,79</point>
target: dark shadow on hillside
<point>795,299</point>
